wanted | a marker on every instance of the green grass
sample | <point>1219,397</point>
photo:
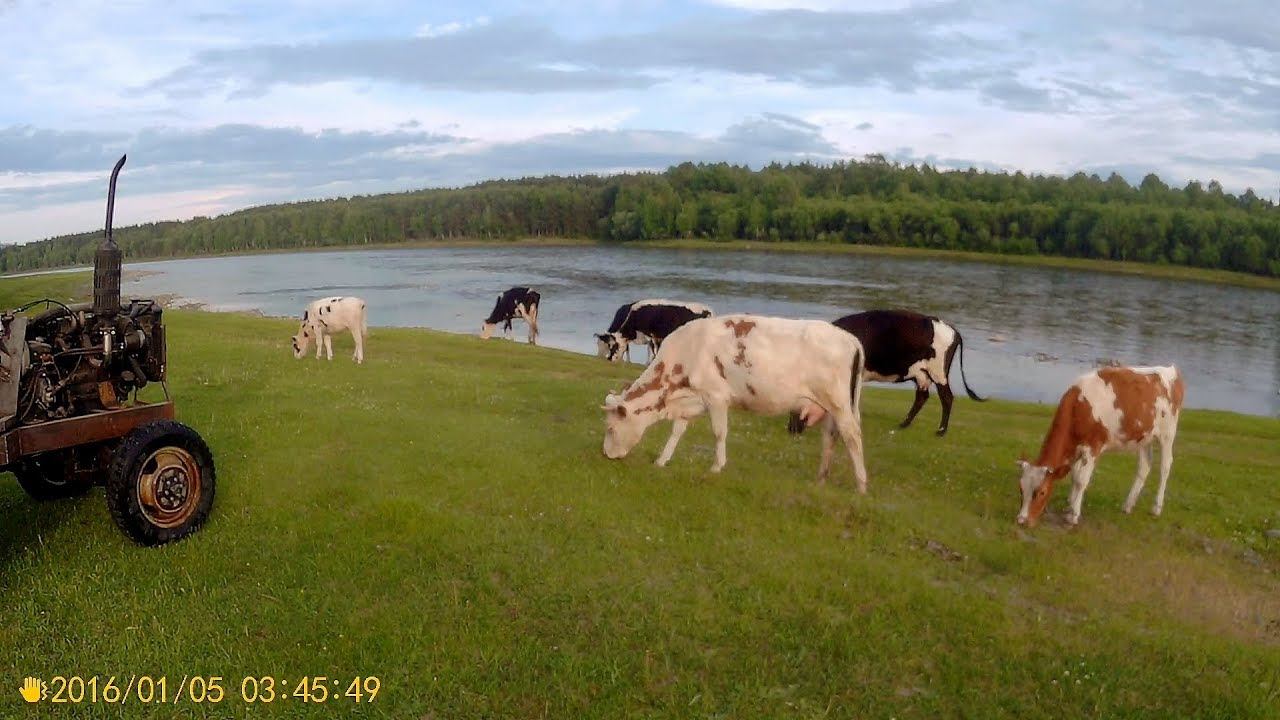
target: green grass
<point>442,518</point>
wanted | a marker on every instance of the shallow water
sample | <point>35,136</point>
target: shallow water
<point>1028,331</point>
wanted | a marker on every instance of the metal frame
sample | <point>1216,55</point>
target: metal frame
<point>70,432</point>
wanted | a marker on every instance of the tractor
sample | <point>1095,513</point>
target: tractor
<point>70,415</point>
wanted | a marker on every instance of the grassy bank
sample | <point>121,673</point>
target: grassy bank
<point>442,518</point>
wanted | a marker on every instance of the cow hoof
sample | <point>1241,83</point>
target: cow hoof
<point>660,462</point>
<point>715,469</point>
<point>1155,511</point>
<point>1128,509</point>
<point>941,432</point>
<point>904,424</point>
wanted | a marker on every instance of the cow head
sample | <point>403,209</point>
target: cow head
<point>486,330</point>
<point>622,427</point>
<point>1036,485</point>
<point>610,346</point>
<point>301,341</point>
<point>603,349</point>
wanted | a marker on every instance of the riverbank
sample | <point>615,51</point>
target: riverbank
<point>399,519</point>
<point>477,568</point>
<point>1148,270</point>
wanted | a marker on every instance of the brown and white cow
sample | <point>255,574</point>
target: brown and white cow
<point>770,366</point>
<point>1113,408</point>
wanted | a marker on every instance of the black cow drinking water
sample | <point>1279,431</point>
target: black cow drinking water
<point>902,345</point>
<point>518,302</point>
<point>649,322</point>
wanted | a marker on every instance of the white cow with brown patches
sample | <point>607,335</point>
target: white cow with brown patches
<point>327,316</point>
<point>769,366</point>
<point>1114,408</point>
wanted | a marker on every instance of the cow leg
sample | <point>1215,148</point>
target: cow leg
<point>1081,474</point>
<point>1166,464</point>
<point>533,325</point>
<point>1144,467</point>
<point>850,427</point>
<point>922,394</point>
<point>945,396</point>
<point>319,344</point>
<point>328,346</point>
<point>720,427</point>
<point>359,354</point>
<point>678,426</point>
<point>829,433</point>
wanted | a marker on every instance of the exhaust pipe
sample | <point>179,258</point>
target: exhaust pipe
<point>106,262</point>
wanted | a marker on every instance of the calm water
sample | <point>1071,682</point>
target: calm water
<point>1028,332</point>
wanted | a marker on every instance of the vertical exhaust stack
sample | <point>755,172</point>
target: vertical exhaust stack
<point>106,262</point>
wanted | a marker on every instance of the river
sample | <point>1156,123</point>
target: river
<point>1028,331</point>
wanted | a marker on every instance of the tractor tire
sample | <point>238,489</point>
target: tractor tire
<point>49,477</point>
<point>160,484</point>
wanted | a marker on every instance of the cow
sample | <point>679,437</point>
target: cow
<point>1111,408</point>
<point>906,346</point>
<point>324,318</point>
<point>766,365</point>
<point>607,343</point>
<point>650,322</point>
<point>518,302</point>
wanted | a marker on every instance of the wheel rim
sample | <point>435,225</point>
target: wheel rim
<point>169,486</point>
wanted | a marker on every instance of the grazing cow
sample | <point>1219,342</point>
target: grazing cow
<point>766,365</point>
<point>650,322</point>
<point>324,318</point>
<point>902,345</point>
<point>518,302</point>
<point>607,343</point>
<point>1112,408</point>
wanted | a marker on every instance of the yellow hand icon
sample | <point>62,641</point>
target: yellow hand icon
<point>32,689</point>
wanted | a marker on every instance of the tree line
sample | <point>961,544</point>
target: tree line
<point>869,201</point>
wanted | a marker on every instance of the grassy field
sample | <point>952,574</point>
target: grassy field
<point>442,518</point>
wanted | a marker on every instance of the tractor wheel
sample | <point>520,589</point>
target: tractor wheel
<point>52,476</point>
<point>161,481</point>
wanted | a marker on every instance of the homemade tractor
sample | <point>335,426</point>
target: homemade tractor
<point>67,418</point>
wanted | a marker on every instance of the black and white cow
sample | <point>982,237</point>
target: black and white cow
<point>649,322</point>
<point>606,342</point>
<point>518,302</point>
<point>902,345</point>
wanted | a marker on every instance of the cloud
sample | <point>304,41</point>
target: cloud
<point>269,164</point>
<point>524,55</point>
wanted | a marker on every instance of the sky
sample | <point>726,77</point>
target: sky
<point>227,104</point>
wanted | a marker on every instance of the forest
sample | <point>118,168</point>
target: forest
<point>869,201</point>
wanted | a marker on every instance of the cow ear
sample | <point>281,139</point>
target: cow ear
<point>621,410</point>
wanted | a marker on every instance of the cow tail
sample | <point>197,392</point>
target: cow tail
<point>855,383</point>
<point>963,379</point>
<point>364,321</point>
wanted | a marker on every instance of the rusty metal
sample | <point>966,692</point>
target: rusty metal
<point>169,486</point>
<point>83,430</point>
<point>108,259</point>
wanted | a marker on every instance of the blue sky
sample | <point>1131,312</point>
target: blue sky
<point>227,104</point>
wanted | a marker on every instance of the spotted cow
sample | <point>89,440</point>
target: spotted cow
<point>648,322</point>
<point>766,365</point>
<point>907,346</point>
<point>327,316</point>
<point>518,302</point>
<point>1112,408</point>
